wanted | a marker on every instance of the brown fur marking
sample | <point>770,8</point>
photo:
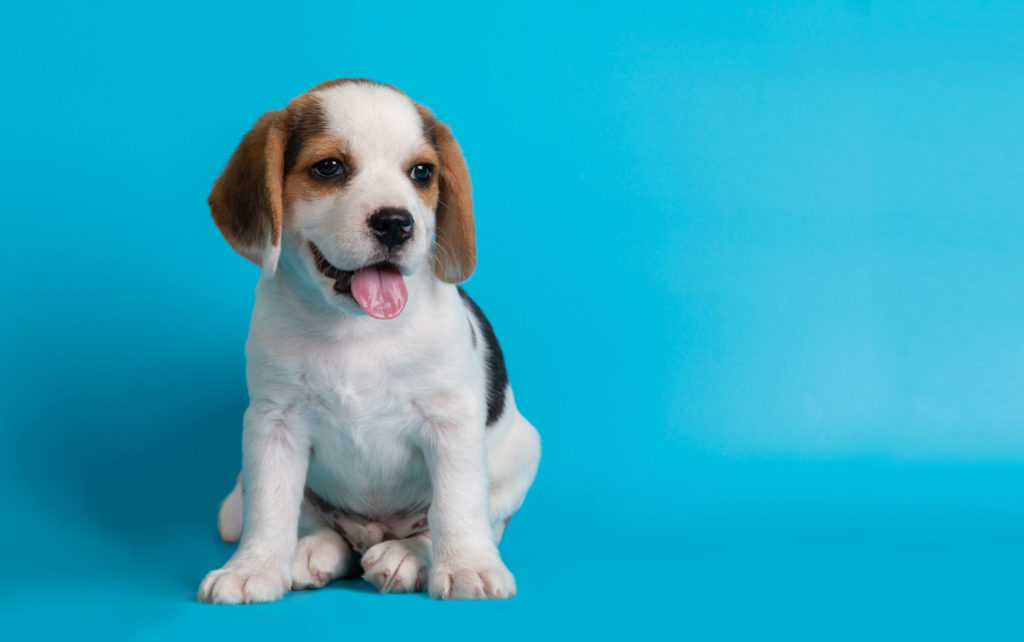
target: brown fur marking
<point>246,198</point>
<point>299,185</point>
<point>306,120</point>
<point>428,156</point>
<point>456,236</point>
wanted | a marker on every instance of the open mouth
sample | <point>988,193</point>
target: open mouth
<point>342,278</point>
<point>379,289</point>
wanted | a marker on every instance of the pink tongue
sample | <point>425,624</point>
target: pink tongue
<point>379,290</point>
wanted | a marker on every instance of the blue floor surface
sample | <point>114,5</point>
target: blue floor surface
<point>725,550</point>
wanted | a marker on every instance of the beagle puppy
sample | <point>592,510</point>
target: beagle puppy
<point>381,433</point>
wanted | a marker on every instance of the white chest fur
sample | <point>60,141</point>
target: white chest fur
<point>365,395</point>
<point>364,454</point>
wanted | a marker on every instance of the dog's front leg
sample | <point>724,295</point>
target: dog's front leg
<point>274,461</point>
<point>467,564</point>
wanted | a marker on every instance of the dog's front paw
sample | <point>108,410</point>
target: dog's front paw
<point>244,582</point>
<point>466,580</point>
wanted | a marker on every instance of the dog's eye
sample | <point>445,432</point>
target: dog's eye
<point>328,168</point>
<point>421,173</point>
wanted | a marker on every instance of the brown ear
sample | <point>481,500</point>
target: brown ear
<point>246,198</point>
<point>456,238</point>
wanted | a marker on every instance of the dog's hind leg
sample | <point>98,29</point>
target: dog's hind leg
<point>322,555</point>
<point>512,463</point>
<point>229,517</point>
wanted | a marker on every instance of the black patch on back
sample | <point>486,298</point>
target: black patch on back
<point>497,377</point>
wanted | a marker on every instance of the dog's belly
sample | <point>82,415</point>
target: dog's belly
<point>366,477</point>
<point>363,531</point>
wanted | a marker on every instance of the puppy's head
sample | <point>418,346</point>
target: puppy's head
<point>350,184</point>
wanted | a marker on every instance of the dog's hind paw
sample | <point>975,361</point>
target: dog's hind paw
<point>398,565</point>
<point>320,558</point>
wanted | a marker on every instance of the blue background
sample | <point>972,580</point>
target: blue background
<point>757,269</point>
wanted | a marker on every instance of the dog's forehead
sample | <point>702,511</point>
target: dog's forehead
<point>374,120</point>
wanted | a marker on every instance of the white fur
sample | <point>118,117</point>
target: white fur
<point>394,411</point>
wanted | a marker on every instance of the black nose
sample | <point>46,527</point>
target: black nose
<point>391,226</point>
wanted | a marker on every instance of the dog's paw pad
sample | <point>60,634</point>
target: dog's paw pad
<point>320,558</point>
<point>398,566</point>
